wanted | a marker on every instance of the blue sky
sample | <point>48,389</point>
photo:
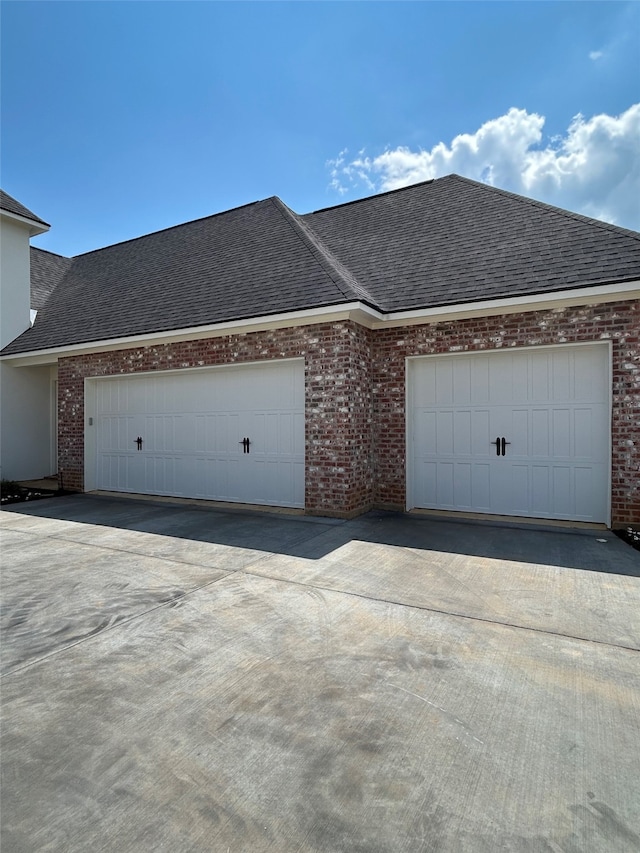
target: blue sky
<point>121,118</point>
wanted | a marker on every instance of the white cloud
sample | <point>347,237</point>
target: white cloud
<point>593,168</point>
<point>596,54</point>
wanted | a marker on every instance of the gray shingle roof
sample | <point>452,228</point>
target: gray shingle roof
<point>439,243</point>
<point>250,261</point>
<point>47,271</point>
<point>11,205</point>
<point>453,240</point>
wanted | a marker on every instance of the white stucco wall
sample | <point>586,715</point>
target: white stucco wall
<point>25,422</point>
<point>15,285</point>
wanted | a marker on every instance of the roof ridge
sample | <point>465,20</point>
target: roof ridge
<point>168,228</point>
<point>337,272</point>
<point>378,195</point>
<point>569,214</point>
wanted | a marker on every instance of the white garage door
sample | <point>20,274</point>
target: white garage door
<point>522,433</point>
<point>230,434</point>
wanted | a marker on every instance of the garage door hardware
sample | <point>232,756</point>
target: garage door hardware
<point>501,444</point>
<point>139,442</point>
<point>246,444</point>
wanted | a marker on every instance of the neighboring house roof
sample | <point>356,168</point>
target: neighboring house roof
<point>11,205</point>
<point>438,243</point>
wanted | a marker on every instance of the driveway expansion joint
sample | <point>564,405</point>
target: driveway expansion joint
<point>113,624</point>
<point>442,612</point>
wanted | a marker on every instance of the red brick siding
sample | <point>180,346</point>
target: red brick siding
<point>355,393</point>
<point>619,322</point>
<point>337,397</point>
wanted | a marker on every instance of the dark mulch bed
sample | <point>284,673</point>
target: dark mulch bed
<point>631,536</point>
<point>13,493</point>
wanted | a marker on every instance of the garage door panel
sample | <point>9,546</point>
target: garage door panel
<point>283,439</point>
<point>556,461</point>
<point>299,439</point>
<point>540,433</point>
<point>159,474</point>
<point>444,433</point>
<point>192,425</point>
<point>462,484</point>
<point>583,491</point>
<point>426,429</point>
<point>583,433</point>
<point>520,378</point>
<point>561,368</point>
<point>481,432</point>
<point>160,434</point>
<point>481,487</point>
<point>540,489</point>
<point>519,488</point>
<point>562,504</point>
<point>540,379</point>
<point>500,380</point>
<point>426,483</point>
<point>480,385</point>
<point>462,432</point>
<point>462,380</point>
<point>591,380</point>
<point>444,383</point>
<point>444,485</point>
<point>518,434</point>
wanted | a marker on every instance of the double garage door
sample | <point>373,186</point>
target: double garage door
<point>229,434</point>
<point>522,433</point>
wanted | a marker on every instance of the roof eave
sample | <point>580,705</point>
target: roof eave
<point>358,312</point>
<point>310,316</point>
<point>590,295</point>
<point>35,227</point>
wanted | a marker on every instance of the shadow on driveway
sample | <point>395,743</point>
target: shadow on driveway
<point>315,538</point>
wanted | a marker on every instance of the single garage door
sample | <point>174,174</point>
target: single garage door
<point>229,434</point>
<point>522,433</point>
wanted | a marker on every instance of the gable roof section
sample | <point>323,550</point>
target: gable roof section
<point>11,205</point>
<point>445,242</point>
<point>453,240</point>
<point>251,261</point>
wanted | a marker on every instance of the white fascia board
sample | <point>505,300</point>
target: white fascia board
<point>311,316</point>
<point>514,305</point>
<point>356,311</point>
<point>35,228</point>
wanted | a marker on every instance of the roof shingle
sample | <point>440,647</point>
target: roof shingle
<point>443,242</point>
<point>453,240</point>
<point>11,205</point>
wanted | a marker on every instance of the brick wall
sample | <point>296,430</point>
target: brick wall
<point>337,401</point>
<point>619,322</point>
<point>355,394</point>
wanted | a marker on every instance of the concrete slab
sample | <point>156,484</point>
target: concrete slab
<point>330,687</point>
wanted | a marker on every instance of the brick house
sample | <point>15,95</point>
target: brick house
<point>448,346</point>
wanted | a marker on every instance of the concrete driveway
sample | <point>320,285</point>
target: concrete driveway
<point>185,679</point>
